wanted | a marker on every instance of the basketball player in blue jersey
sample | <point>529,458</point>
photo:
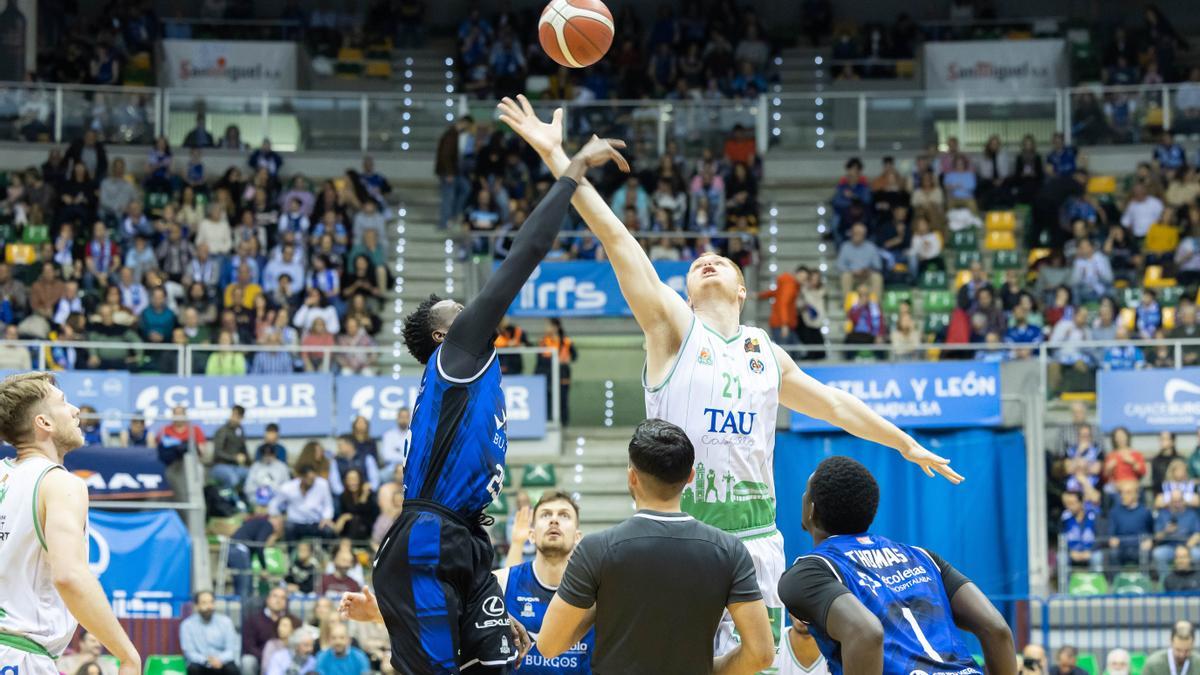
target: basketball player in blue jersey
<point>529,586</point>
<point>875,605</point>
<point>442,607</point>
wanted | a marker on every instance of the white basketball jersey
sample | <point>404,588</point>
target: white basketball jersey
<point>30,606</point>
<point>786,663</point>
<point>725,394</point>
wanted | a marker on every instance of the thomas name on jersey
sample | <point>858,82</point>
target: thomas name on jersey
<point>884,558</point>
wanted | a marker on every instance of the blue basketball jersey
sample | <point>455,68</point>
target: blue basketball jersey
<point>527,599</point>
<point>902,586</point>
<point>459,439</point>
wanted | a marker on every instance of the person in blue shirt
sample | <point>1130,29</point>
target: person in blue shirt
<point>876,605</point>
<point>1168,154</point>
<point>1176,525</point>
<point>208,640</point>
<point>1022,333</point>
<point>341,657</point>
<point>1148,315</point>
<point>1130,527</point>
<point>1123,357</point>
<point>1079,530</point>
<point>1062,158</point>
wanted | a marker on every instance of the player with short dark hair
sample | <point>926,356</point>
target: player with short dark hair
<point>866,597</point>
<point>443,608</point>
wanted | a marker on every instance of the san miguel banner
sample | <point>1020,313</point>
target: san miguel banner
<point>302,405</point>
<point>378,399</point>
<point>229,65</point>
<point>115,473</point>
<point>583,288</point>
<point>940,395</point>
<point>1149,401</point>
<point>136,553</point>
<point>996,66</point>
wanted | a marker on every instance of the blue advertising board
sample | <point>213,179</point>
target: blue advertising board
<point>940,395</point>
<point>115,473</point>
<point>135,552</point>
<point>1149,401</point>
<point>378,399</point>
<point>301,405</point>
<point>581,288</point>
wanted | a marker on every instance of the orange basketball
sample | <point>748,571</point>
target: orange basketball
<point>576,33</point>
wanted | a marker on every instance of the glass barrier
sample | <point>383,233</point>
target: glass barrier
<point>118,116</point>
<point>316,122</point>
<point>27,113</point>
<point>1117,115</point>
<point>244,111</point>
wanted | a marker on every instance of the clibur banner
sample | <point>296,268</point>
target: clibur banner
<point>996,66</point>
<point>378,399</point>
<point>582,288</point>
<point>135,553</point>
<point>1149,401</point>
<point>302,405</point>
<point>939,395</point>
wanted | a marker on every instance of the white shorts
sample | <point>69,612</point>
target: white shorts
<point>17,662</point>
<point>769,566</point>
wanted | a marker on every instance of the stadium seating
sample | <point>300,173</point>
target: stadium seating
<point>1001,221</point>
<point>1102,185</point>
<point>1137,662</point>
<point>1000,240</point>
<point>499,505</point>
<point>1162,239</point>
<point>540,475</point>
<point>1154,278</point>
<point>1088,663</point>
<point>166,665</point>
<point>1087,583</point>
<point>932,279</point>
<point>965,241</point>
<point>939,301</point>
<point>1006,260</point>
<point>1132,583</point>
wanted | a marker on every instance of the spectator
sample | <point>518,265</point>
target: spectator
<point>859,261</point>
<point>266,476</point>
<point>1123,463</point>
<point>1022,333</point>
<point>1130,527</point>
<point>302,570</point>
<point>1083,466</point>
<point>317,336</point>
<point>1148,315</point>
<point>358,506</point>
<point>1028,171</point>
<point>14,300</point>
<point>157,321</point>
<point>906,336</point>
<point>77,197</point>
<point>1035,653</point>
<point>868,325</point>
<point>158,166</point>
<point>995,167</point>
<point>209,642</point>
<point>1183,577</point>
<point>287,260</point>
<point>1125,356</point>
<point>272,361</point>
<point>1175,525</point>
<point>308,504</point>
<point>1178,481</point>
<point>298,657</point>
<point>45,293</point>
<point>393,449</point>
<point>225,362</point>
<point>339,582</point>
<point>455,160</point>
<point>1066,336</point>
<point>1167,453</point>
<point>1079,529</point>
<point>89,152</point>
<point>1091,274</point>
<point>1064,662</point>
<point>707,197</point>
<point>925,249</point>
<point>1187,328</point>
<point>199,137</point>
<point>960,183</point>
<point>229,451</point>
<point>261,627</point>
<point>1169,155</point>
<point>116,192</point>
<point>341,657</point>
<point>266,158</point>
<point>1141,211</point>
<point>88,651</point>
<point>929,201</point>
<point>511,335</point>
<point>783,296</point>
<point>14,356</point>
<point>1187,105</point>
<point>1123,253</point>
<point>1180,654</point>
<point>740,147</point>
<point>556,340</point>
<point>213,233</point>
<point>851,189</point>
<point>968,292</point>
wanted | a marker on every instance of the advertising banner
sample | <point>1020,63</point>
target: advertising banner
<point>241,65</point>
<point>139,552</point>
<point>378,399</point>
<point>996,66</point>
<point>919,395</point>
<point>301,405</point>
<point>583,288</point>
<point>120,473</point>
<point>1149,401</point>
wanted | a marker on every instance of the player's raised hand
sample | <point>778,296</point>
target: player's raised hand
<point>519,115</point>
<point>360,607</point>
<point>522,526</point>
<point>930,463</point>
<point>600,151</point>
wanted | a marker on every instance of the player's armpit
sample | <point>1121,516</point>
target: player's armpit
<point>860,634</point>
<point>564,625</point>
<point>974,613</point>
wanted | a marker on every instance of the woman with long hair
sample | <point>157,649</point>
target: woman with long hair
<point>357,508</point>
<point>556,340</point>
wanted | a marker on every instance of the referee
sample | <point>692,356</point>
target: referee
<point>655,586</point>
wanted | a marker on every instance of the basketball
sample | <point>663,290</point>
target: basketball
<point>576,33</point>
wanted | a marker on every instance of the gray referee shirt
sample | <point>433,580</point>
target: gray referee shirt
<point>660,583</point>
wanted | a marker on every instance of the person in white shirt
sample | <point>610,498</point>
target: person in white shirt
<point>266,472</point>
<point>798,652</point>
<point>68,303</point>
<point>214,231</point>
<point>133,294</point>
<point>926,245</point>
<point>1091,275</point>
<point>1142,211</point>
<point>1067,335</point>
<point>308,504</point>
<point>393,447</point>
<point>316,307</point>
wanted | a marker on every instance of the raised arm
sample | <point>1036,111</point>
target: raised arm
<point>805,395</point>
<point>663,316</point>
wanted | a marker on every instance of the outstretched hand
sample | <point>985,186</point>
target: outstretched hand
<point>599,151</point>
<point>360,607</point>
<point>930,463</point>
<point>541,136</point>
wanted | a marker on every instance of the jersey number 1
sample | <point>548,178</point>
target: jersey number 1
<point>732,381</point>
<point>912,621</point>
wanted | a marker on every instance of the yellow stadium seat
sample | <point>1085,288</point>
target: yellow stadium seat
<point>851,298</point>
<point>1154,117</point>
<point>380,69</point>
<point>1154,278</point>
<point>1168,316</point>
<point>1127,317</point>
<point>20,254</point>
<point>1081,396</point>
<point>1005,221</point>
<point>1000,241</point>
<point>961,278</point>
<point>1036,254</point>
<point>1102,185</point>
<point>350,54</point>
<point>1162,239</point>
<point>905,69</point>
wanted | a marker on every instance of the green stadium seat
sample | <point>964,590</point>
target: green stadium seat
<point>939,301</point>
<point>499,505</point>
<point>964,259</point>
<point>892,300</point>
<point>8,234</point>
<point>1132,583</point>
<point>277,562</point>
<point>166,665</point>
<point>1087,583</point>
<point>1170,295</point>
<point>997,278</point>
<point>155,201</point>
<point>538,475</point>
<point>36,234</point>
<point>1088,664</point>
<point>507,477</point>
<point>932,280</point>
<point>936,322</point>
<point>1137,662</point>
<point>1006,260</point>
<point>964,240</point>
<point>1131,297</point>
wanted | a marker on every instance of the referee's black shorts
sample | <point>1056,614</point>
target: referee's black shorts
<point>443,608</point>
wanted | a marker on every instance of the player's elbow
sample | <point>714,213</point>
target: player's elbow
<point>549,645</point>
<point>865,634</point>
<point>995,632</point>
<point>760,652</point>
<point>69,578</point>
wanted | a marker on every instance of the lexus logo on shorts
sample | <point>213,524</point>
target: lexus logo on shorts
<point>493,606</point>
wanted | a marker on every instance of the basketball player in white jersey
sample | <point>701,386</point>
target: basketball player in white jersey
<point>46,588</point>
<point>720,381</point>
<point>798,653</point>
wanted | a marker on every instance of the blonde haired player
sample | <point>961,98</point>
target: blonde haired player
<point>45,583</point>
<point>720,381</point>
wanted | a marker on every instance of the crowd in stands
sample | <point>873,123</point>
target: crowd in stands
<point>183,255</point>
<point>1102,265</point>
<point>490,182</point>
<point>694,50</point>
